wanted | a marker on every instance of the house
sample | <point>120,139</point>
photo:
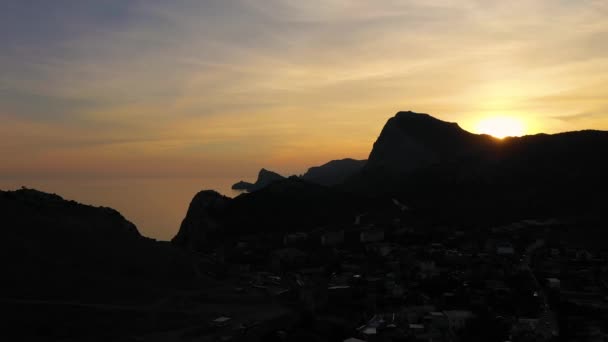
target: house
<point>382,249</point>
<point>373,235</point>
<point>437,320</point>
<point>553,283</point>
<point>373,325</point>
<point>332,238</point>
<point>416,329</point>
<point>457,319</point>
<point>524,326</point>
<point>394,289</point>
<point>352,339</point>
<point>294,239</point>
<point>221,321</point>
<point>416,313</point>
<point>505,249</point>
<point>428,269</point>
<point>583,254</point>
<point>287,258</point>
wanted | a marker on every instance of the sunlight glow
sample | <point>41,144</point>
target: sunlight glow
<point>501,127</point>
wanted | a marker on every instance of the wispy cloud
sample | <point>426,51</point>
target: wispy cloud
<point>574,117</point>
<point>242,81</point>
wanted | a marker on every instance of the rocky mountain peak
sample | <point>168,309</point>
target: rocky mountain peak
<point>201,219</point>
<point>265,178</point>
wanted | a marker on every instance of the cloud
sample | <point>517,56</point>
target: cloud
<point>253,81</point>
<point>574,117</point>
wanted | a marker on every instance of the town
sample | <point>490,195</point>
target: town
<point>396,278</point>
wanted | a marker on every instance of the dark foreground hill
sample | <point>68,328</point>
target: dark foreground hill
<point>73,272</point>
<point>288,205</point>
<point>52,248</point>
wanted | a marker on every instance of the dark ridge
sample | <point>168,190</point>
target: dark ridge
<point>334,172</point>
<point>203,218</point>
<point>265,178</point>
<point>242,185</point>
<point>53,248</point>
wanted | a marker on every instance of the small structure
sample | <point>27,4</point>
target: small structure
<point>554,283</point>
<point>381,249</point>
<point>457,319</point>
<point>221,321</point>
<point>372,236</point>
<point>438,320</point>
<point>505,249</point>
<point>294,239</point>
<point>287,258</point>
<point>332,238</point>
<point>371,328</point>
<point>428,269</point>
<point>416,328</point>
<point>352,339</point>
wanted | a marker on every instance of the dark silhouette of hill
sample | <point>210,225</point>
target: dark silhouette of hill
<point>204,217</point>
<point>411,141</point>
<point>242,185</point>
<point>441,171</point>
<point>334,172</point>
<point>441,167</point>
<point>52,248</point>
<point>69,269</point>
<point>291,204</point>
<point>265,178</point>
<point>287,205</point>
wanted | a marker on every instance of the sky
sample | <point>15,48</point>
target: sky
<point>120,89</point>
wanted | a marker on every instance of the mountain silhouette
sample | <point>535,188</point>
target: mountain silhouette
<point>60,249</point>
<point>334,172</point>
<point>442,171</point>
<point>78,272</point>
<point>242,185</point>
<point>203,218</point>
<point>265,178</point>
<point>411,141</point>
<point>439,165</point>
<point>287,205</point>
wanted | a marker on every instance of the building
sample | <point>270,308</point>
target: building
<point>505,249</point>
<point>332,238</point>
<point>372,236</point>
<point>294,239</point>
<point>457,319</point>
<point>553,283</point>
<point>352,339</point>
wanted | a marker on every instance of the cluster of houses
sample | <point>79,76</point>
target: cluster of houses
<point>392,282</point>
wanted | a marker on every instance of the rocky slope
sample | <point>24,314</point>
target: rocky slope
<point>265,178</point>
<point>441,166</point>
<point>204,217</point>
<point>334,172</point>
<point>410,141</point>
<point>55,248</point>
<point>287,205</point>
<point>441,171</point>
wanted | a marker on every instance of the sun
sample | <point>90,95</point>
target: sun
<point>501,127</point>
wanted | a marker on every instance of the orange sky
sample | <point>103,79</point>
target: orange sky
<point>157,89</point>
